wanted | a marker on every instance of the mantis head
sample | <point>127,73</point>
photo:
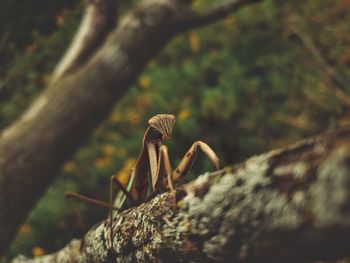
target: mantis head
<point>163,123</point>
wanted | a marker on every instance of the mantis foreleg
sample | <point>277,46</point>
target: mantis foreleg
<point>187,161</point>
<point>154,162</point>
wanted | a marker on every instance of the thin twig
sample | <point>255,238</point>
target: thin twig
<point>194,19</point>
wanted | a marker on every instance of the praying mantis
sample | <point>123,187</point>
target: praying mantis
<point>152,172</point>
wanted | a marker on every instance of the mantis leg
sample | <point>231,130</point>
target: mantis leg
<point>120,198</point>
<point>125,191</point>
<point>87,199</point>
<point>187,161</point>
<point>164,159</point>
<point>164,166</point>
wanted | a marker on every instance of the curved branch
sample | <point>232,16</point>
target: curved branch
<point>97,21</point>
<point>288,205</point>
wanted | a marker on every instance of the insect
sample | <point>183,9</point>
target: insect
<point>152,172</point>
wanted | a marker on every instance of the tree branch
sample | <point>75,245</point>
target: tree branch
<point>193,19</point>
<point>288,205</point>
<point>98,20</point>
<point>57,123</point>
<point>309,43</point>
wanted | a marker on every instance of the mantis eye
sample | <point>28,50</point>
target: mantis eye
<point>163,123</point>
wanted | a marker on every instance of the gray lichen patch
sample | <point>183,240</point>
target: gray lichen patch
<point>245,200</point>
<point>330,195</point>
<point>139,236</point>
<point>95,244</point>
<point>298,169</point>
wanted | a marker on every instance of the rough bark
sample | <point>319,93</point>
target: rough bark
<point>35,146</point>
<point>288,205</point>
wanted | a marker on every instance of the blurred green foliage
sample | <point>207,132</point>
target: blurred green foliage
<point>19,20</point>
<point>262,78</point>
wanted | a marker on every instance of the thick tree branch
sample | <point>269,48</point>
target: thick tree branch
<point>97,21</point>
<point>288,205</point>
<point>35,146</point>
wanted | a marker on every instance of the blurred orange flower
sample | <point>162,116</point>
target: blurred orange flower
<point>144,81</point>
<point>69,166</point>
<point>143,103</point>
<point>31,48</point>
<point>133,117</point>
<point>38,251</point>
<point>230,22</point>
<point>24,229</point>
<point>116,117</point>
<point>59,20</point>
<point>183,114</point>
<point>102,162</point>
<point>194,42</point>
<point>108,150</point>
